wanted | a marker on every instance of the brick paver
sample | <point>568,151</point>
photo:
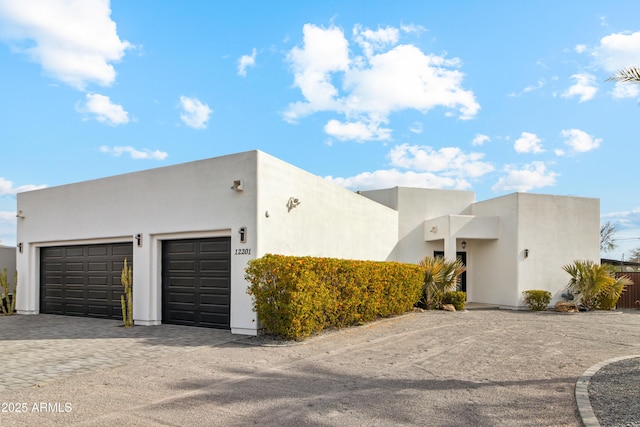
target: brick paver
<point>42,348</point>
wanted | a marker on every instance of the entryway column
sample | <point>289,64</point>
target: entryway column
<point>450,248</point>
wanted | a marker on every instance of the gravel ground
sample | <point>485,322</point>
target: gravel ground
<point>484,368</point>
<point>614,392</point>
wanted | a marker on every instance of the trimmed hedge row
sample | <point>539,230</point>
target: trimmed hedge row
<point>297,296</point>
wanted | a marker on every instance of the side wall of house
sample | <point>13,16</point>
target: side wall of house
<point>415,205</point>
<point>192,200</point>
<point>493,268</point>
<point>327,221</point>
<point>538,235</point>
<point>556,230</point>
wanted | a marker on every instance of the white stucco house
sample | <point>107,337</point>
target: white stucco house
<point>190,229</point>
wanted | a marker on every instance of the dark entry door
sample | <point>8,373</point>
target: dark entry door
<point>462,256</point>
<point>196,282</point>
<point>83,280</point>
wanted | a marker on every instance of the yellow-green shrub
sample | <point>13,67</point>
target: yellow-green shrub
<point>297,296</point>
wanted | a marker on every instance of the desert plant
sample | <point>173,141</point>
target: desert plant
<point>595,285</point>
<point>536,299</point>
<point>126,299</point>
<point>609,296</point>
<point>441,276</point>
<point>8,301</point>
<point>455,298</point>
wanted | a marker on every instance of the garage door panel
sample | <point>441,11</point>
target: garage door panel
<point>83,280</point>
<point>196,282</point>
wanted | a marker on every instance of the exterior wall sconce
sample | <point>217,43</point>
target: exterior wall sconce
<point>20,215</point>
<point>20,247</point>
<point>139,239</point>
<point>464,244</point>
<point>243,234</point>
<point>292,203</point>
<point>434,229</point>
<point>237,185</point>
<point>526,253</point>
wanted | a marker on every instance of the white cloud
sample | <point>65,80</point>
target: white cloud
<point>480,139</point>
<point>580,141</point>
<point>625,90</point>
<point>533,175</point>
<point>617,51</point>
<point>245,62</point>
<point>8,189</point>
<point>105,110</point>
<point>373,41</point>
<point>194,114</point>
<point>134,153</point>
<point>528,143</point>
<point>393,177</point>
<point>584,87</point>
<point>580,48</point>
<point>75,41</point>
<point>416,127</point>
<point>8,217</point>
<point>356,131</point>
<point>413,79</point>
<point>421,166</point>
<point>450,161</point>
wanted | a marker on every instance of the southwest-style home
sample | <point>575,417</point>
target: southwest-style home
<point>189,230</point>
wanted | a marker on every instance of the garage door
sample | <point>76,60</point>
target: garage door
<point>196,282</point>
<point>83,280</point>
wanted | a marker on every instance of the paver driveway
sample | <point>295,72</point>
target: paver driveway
<point>482,368</point>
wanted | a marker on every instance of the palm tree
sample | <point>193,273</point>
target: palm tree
<point>626,75</point>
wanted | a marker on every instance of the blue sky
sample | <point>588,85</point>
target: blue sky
<point>489,96</point>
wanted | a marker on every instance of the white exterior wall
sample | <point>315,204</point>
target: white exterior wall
<point>556,230</point>
<point>195,200</point>
<point>330,221</point>
<point>183,201</point>
<point>415,205</point>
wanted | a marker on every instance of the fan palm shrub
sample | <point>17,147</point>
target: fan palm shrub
<point>595,285</point>
<point>441,276</point>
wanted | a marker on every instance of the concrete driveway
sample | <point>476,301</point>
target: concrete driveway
<point>479,367</point>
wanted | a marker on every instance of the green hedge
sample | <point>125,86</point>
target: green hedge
<point>297,296</point>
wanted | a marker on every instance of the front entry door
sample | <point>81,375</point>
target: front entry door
<point>462,256</point>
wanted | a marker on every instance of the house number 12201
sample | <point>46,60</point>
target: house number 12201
<point>243,251</point>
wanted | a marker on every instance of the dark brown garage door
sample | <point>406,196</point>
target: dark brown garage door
<point>83,280</point>
<point>196,282</point>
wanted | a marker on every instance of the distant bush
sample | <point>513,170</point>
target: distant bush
<point>295,297</point>
<point>455,298</point>
<point>537,300</point>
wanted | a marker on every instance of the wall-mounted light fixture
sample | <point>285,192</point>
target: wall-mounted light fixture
<point>237,185</point>
<point>526,253</point>
<point>243,234</point>
<point>20,247</point>
<point>434,229</point>
<point>292,203</point>
<point>464,244</point>
<point>139,239</point>
<point>20,215</point>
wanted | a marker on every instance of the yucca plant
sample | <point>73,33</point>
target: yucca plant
<point>441,276</point>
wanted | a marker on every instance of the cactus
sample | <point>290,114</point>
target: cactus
<point>8,301</point>
<point>126,299</point>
